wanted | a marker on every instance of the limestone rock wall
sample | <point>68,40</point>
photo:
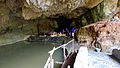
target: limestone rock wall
<point>53,7</point>
<point>110,7</point>
<point>82,12</point>
<point>4,17</point>
<point>103,34</point>
<point>104,10</point>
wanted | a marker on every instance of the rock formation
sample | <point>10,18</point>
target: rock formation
<point>81,11</point>
<point>23,15</point>
<point>103,34</point>
<point>55,7</point>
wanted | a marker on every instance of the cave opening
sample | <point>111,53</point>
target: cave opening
<point>63,23</point>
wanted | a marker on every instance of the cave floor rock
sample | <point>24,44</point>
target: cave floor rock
<point>102,60</point>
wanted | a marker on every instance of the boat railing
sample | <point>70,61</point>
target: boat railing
<point>50,61</point>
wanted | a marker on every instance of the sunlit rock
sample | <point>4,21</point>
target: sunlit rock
<point>28,13</point>
<point>110,7</point>
<point>103,35</point>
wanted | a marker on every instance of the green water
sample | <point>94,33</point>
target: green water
<point>27,55</point>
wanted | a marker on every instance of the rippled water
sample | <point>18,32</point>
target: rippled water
<point>27,55</point>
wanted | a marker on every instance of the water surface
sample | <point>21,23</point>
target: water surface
<point>26,54</point>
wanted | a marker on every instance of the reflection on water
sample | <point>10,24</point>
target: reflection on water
<point>26,55</point>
